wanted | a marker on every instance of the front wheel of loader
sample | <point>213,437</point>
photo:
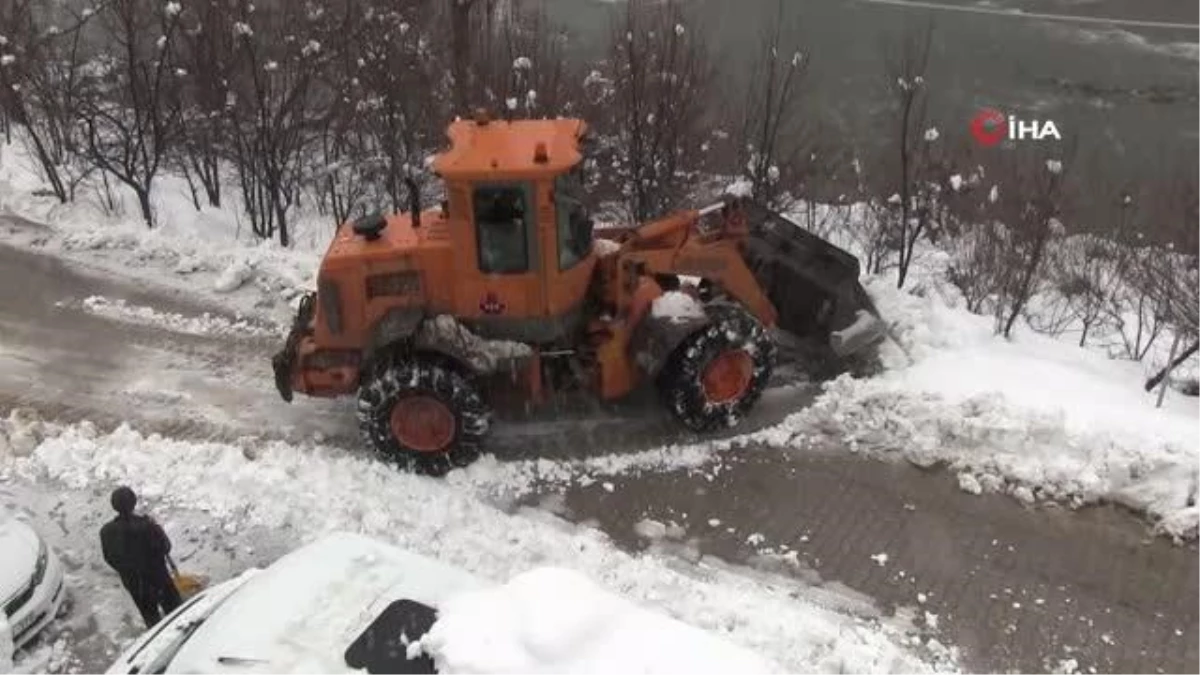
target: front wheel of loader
<point>717,375</point>
<point>423,414</point>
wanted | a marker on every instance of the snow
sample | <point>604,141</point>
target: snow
<point>677,306</point>
<point>605,247</point>
<point>956,182</point>
<point>449,521</point>
<point>1033,416</point>
<point>522,63</point>
<point>551,620</point>
<point>742,187</point>
<point>173,8</point>
<point>484,355</point>
<point>205,324</point>
<point>931,134</point>
<point>208,253</point>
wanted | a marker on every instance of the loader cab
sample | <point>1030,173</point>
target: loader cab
<point>520,230</point>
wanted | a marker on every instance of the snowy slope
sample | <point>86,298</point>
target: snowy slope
<point>312,490</point>
<point>1033,415</point>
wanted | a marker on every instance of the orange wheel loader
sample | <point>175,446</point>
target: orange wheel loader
<point>414,313</point>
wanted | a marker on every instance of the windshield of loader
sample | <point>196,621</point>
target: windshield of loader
<point>574,222</point>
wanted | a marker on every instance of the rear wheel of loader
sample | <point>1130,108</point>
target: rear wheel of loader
<point>714,378</point>
<point>423,414</point>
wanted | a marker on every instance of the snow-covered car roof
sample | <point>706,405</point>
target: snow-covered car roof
<point>347,602</point>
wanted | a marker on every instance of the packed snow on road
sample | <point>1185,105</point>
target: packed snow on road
<point>295,494</point>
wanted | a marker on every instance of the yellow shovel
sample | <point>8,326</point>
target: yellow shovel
<point>187,584</point>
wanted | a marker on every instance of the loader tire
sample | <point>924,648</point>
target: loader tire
<point>423,414</point>
<point>717,375</point>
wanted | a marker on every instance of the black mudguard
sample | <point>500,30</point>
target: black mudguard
<point>284,361</point>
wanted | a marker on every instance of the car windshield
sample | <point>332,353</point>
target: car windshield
<point>382,647</point>
<point>174,631</point>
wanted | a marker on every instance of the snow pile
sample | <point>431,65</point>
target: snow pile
<point>1032,416</point>
<point>677,306</point>
<point>551,620</point>
<point>205,324</point>
<point>431,517</point>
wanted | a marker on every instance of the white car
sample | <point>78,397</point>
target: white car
<point>348,603</point>
<point>31,581</point>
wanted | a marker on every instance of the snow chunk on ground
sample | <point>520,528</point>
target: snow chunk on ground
<point>233,277</point>
<point>205,324</point>
<point>677,306</point>
<point>552,620</point>
<point>650,529</point>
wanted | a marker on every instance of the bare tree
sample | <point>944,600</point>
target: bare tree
<point>774,139</point>
<point>523,65</point>
<point>1030,205</point>
<point>906,67</point>
<point>42,87</point>
<point>1089,270</point>
<point>206,55</point>
<point>661,78</point>
<point>1169,273</point>
<point>271,108</point>
<point>135,117</point>
<point>460,51</point>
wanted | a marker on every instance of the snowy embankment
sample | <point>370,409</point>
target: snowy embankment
<point>208,252</point>
<point>314,490</point>
<point>1033,416</point>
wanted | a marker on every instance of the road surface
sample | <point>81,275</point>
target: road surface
<point>1112,596</point>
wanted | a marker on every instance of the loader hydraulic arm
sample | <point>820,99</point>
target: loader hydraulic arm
<point>677,245</point>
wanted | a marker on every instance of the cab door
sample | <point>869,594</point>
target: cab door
<point>567,258</point>
<point>498,260</point>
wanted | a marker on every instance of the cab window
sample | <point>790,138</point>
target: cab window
<point>574,224</point>
<point>502,227</point>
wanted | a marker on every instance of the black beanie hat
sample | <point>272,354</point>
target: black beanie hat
<point>123,500</point>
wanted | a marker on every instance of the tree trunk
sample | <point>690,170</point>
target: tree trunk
<point>143,196</point>
<point>460,46</point>
<point>1162,374</point>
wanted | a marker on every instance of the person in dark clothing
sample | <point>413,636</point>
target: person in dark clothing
<point>136,548</point>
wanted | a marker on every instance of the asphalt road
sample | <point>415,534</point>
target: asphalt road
<point>1113,597</point>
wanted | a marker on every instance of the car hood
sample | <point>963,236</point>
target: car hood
<point>301,613</point>
<point>20,545</point>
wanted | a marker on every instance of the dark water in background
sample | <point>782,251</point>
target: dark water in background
<point>1129,93</point>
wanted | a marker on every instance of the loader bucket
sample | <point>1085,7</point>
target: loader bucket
<point>812,284</point>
